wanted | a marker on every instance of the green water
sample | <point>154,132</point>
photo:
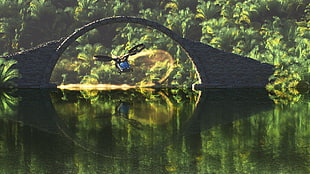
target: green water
<point>153,131</point>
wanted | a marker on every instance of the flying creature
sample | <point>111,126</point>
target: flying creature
<point>121,62</point>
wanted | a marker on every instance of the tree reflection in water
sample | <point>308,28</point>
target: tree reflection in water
<point>158,131</point>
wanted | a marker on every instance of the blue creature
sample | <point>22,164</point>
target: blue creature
<point>121,62</point>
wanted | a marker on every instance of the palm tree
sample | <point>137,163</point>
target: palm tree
<point>7,73</point>
<point>45,22</point>
<point>11,24</point>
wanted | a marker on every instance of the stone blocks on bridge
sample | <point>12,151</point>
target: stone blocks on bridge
<point>32,65</point>
<point>219,69</point>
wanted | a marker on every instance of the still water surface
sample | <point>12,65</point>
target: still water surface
<point>153,131</point>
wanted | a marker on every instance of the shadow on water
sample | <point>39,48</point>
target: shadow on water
<point>147,130</point>
<point>220,106</point>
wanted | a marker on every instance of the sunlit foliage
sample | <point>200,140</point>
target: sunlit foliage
<point>272,31</point>
<point>7,73</point>
<point>275,32</point>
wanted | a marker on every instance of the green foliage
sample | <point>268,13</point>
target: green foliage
<point>12,16</point>
<point>7,73</point>
<point>275,32</point>
<point>272,31</point>
<point>8,104</point>
<point>207,10</point>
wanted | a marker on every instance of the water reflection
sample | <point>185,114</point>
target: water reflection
<point>219,106</point>
<point>152,131</point>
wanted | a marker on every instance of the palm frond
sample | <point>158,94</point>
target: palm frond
<point>7,73</point>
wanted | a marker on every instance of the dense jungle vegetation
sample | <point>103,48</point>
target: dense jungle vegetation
<point>272,31</point>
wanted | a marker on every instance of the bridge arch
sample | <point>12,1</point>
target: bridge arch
<point>214,68</point>
<point>107,21</point>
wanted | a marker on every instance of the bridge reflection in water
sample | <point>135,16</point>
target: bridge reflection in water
<point>151,130</point>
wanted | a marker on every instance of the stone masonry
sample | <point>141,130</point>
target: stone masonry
<point>32,64</point>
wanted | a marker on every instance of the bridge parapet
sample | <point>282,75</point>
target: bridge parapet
<point>219,69</point>
<point>32,63</point>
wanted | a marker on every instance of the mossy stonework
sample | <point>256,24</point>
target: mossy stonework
<point>215,68</point>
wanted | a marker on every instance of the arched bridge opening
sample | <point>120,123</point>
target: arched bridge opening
<point>70,41</point>
<point>215,68</point>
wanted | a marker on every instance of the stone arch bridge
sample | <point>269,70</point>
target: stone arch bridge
<point>215,68</point>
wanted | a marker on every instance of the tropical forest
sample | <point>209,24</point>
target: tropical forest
<point>271,31</point>
<point>134,126</point>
